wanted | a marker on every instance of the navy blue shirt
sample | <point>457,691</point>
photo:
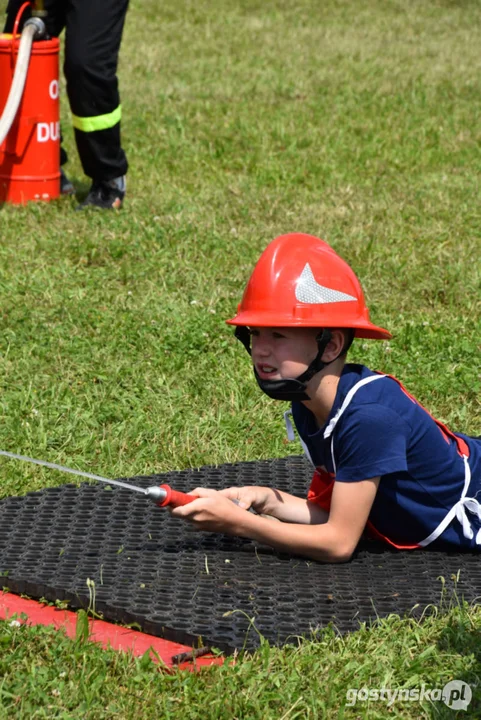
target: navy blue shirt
<point>386,433</point>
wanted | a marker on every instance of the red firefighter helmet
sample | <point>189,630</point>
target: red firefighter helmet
<point>300,281</point>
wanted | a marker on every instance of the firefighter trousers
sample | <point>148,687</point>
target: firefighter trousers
<point>93,33</point>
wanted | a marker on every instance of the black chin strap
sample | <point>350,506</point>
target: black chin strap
<point>290,389</point>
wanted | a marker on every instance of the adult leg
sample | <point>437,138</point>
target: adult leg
<point>92,43</point>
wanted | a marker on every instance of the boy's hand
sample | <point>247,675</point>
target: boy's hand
<point>245,497</point>
<point>212,511</point>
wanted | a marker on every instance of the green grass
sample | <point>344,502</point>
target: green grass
<point>45,675</point>
<point>358,122</point>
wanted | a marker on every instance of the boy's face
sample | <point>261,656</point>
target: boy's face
<point>281,353</point>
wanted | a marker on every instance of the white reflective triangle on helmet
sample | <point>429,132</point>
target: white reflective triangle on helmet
<point>309,291</point>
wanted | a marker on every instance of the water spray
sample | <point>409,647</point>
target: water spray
<point>161,495</point>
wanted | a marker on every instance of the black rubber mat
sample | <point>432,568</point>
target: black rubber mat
<point>132,562</point>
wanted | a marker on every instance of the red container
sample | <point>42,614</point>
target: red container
<point>30,154</point>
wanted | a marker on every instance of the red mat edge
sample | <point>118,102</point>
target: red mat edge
<point>106,634</point>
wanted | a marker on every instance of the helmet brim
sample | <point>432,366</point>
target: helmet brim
<point>362,329</point>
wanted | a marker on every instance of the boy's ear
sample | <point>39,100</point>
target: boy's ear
<point>334,347</point>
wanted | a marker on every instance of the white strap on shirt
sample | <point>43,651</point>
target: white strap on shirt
<point>328,432</point>
<point>458,511</point>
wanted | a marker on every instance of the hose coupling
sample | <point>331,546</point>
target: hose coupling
<point>40,29</point>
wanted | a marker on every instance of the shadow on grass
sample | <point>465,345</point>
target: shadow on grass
<point>82,188</point>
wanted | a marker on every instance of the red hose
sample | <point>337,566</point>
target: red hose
<point>18,17</point>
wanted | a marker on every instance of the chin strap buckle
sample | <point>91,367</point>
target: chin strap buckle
<point>289,426</point>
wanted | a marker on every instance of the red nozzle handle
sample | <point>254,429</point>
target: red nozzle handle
<point>174,498</point>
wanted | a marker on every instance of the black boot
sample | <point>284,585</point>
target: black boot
<point>105,194</point>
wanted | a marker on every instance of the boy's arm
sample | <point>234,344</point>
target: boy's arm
<point>277,504</point>
<point>331,540</point>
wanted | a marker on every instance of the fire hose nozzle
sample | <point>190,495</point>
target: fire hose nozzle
<point>39,25</point>
<point>163,496</point>
<point>156,494</point>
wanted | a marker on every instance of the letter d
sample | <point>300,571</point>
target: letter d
<point>43,132</point>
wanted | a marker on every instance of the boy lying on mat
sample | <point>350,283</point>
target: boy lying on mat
<point>382,462</point>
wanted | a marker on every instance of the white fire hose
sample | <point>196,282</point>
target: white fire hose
<point>34,29</point>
